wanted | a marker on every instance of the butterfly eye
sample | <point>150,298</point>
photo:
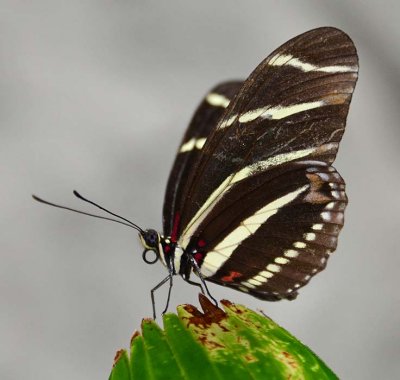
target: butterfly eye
<point>150,238</point>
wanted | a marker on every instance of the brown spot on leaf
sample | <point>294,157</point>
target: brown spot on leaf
<point>289,360</point>
<point>118,356</point>
<point>146,321</point>
<point>250,358</point>
<point>210,344</point>
<point>232,306</point>
<point>135,335</point>
<point>211,313</point>
<point>226,303</point>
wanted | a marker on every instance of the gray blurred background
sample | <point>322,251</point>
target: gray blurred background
<point>95,95</point>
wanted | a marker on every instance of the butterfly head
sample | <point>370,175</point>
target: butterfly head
<point>150,240</point>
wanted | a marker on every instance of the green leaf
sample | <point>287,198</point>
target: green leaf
<point>121,369</point>
<point>233,343</point>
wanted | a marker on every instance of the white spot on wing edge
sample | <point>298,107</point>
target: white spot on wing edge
<point>317,227</point>
<point>281,260</point>
<point>273,268</point>
<point>260,278</point>
<point>330,206</point>
<point>291,253</point>
<point>266,274</point>
<point>214,260</point>
<point>326,216</point>
<point>217,100</point>
<point>324,176</point>
<point>310,236</point>
<point>299,244</point>
<point>248,285</point>
<point>254,282</point>
<point>257,280</point>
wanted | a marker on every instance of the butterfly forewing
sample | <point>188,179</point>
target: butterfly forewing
<point>261,195</point>
<point>288,109</point>
<point>203,122</point>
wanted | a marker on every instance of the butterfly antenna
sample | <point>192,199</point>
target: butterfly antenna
<point>107,211</point>
<point>129,224</point>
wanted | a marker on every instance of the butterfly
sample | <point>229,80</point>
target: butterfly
<point>253,201</point>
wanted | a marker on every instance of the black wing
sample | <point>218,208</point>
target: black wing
<point>204,121</point>
<point>281,235</point>
<point>292,107</point>
<point>263,207</point>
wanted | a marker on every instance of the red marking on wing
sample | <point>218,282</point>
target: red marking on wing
<point>174,233</point>
<point>231,277</point>
<point>198,257</point>
<point>201,243</point>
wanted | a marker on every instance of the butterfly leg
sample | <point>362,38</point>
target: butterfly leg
<point>194,283</point>
<point>197,271</point>
<point>169,277</point>
<point>169,294</point>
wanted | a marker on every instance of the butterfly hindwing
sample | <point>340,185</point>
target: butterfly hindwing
<point>283,233</point>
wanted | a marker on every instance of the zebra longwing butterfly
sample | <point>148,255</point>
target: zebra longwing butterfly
<point>252,201</point>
